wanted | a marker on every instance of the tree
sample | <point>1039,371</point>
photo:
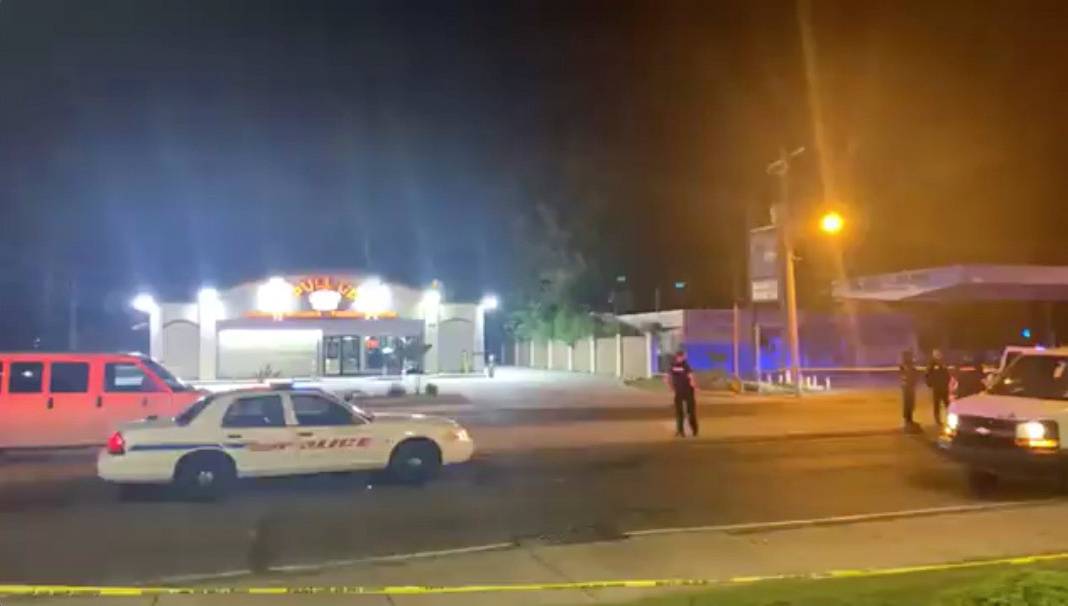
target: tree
<point>555,295</point>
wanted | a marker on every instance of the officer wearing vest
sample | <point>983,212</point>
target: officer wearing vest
<point>680,379</point>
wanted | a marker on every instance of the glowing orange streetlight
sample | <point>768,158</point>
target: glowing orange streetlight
<point>831,223</point>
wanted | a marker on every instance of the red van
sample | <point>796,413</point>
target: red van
<point>76,399</point>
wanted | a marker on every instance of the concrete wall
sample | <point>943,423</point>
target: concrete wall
<point>179,339</point>
<point>635,357</point>
<point>181,348</point>
<point>288,352</point>
<point>844,339</point>
<point>635,362</point>
<point>539,354</point>
<point>583,357</point>
<point>455,345</point>
<point>606,356</point>
<point>560,353</point>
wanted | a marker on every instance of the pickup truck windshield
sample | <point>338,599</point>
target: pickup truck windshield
<point>1043,377</point>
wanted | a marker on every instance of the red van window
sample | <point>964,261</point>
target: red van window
<point>25,377</point>
<point>69,377</point>
<point>127,378</point>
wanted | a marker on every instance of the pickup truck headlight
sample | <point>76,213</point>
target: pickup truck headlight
<point>1037,434</point>
<point>950,428</point>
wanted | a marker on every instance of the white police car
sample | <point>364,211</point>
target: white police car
<point>276,431</point>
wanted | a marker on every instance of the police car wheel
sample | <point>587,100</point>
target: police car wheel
<point>204,476</point>
<point>415,461</point>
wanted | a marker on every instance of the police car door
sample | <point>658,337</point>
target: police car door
<point>329,435</point>
<point>256,435</point>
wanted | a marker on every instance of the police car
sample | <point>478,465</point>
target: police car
<point>1018,426</point>
<point>276,431</point>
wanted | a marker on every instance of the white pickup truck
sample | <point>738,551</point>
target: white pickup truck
<point>1017,426</point>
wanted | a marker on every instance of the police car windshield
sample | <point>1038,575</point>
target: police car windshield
<point>1043,377</point>
<point>186,416</point>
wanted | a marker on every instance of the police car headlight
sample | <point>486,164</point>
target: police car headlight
<point>459,435</point>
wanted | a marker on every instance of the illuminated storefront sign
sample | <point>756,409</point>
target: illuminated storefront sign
<point>325,293</point>
<point>326,296</point>
<point>315,315</point>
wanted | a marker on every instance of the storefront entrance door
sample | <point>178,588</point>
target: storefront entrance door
<point>341,355</point>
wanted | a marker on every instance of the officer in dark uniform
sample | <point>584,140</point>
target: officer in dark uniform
<point>680,378</point>
<point>906,372</point>
<point>938,380</point>
<point>970,377</point>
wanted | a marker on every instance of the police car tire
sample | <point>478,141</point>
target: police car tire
<point>415,461</point>
<point>204,476</point>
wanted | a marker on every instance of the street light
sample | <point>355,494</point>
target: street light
<point>144,303</point>
<point>489,303</point>
<point>431,302</point>
<point>831,223</point>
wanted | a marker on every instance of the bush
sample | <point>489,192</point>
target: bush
<point>1030,588</point>
<point>266,372</point>
<point>713,380</point>
<point>431,389</point>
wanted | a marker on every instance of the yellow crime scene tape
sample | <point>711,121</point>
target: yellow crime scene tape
<point>121,591</point>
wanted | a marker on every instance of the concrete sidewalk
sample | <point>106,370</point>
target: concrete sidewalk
<point>915,538</point>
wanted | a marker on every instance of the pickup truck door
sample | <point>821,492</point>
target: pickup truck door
<point>330,437</point>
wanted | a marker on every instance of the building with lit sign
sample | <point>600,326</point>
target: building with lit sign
<point>313,326</point>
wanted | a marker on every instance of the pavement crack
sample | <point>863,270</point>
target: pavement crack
<point>558,572</point>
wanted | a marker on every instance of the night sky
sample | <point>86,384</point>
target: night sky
<point>172,144</point>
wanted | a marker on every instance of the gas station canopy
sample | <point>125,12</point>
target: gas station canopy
<point>960,283</point>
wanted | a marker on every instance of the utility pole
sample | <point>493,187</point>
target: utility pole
<point>782,220</point>
<point>72,316</point>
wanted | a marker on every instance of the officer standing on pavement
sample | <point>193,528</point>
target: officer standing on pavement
<point>907,374</point>
<point>680,378</point>
<point>970,377</point>
<point>938,380</point>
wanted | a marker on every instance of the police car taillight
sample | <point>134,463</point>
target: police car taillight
<point>116,444</point>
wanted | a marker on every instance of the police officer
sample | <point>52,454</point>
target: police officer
<point>906,372</point>
<point>680,378</point>
<point>938,380</point>
<point>970,377</point>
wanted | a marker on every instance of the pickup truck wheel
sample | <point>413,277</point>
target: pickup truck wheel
<point>204,476</point>
<point>982,482</point>
<point>415,461</point>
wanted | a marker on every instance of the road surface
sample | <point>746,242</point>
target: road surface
<point>58,524</point>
